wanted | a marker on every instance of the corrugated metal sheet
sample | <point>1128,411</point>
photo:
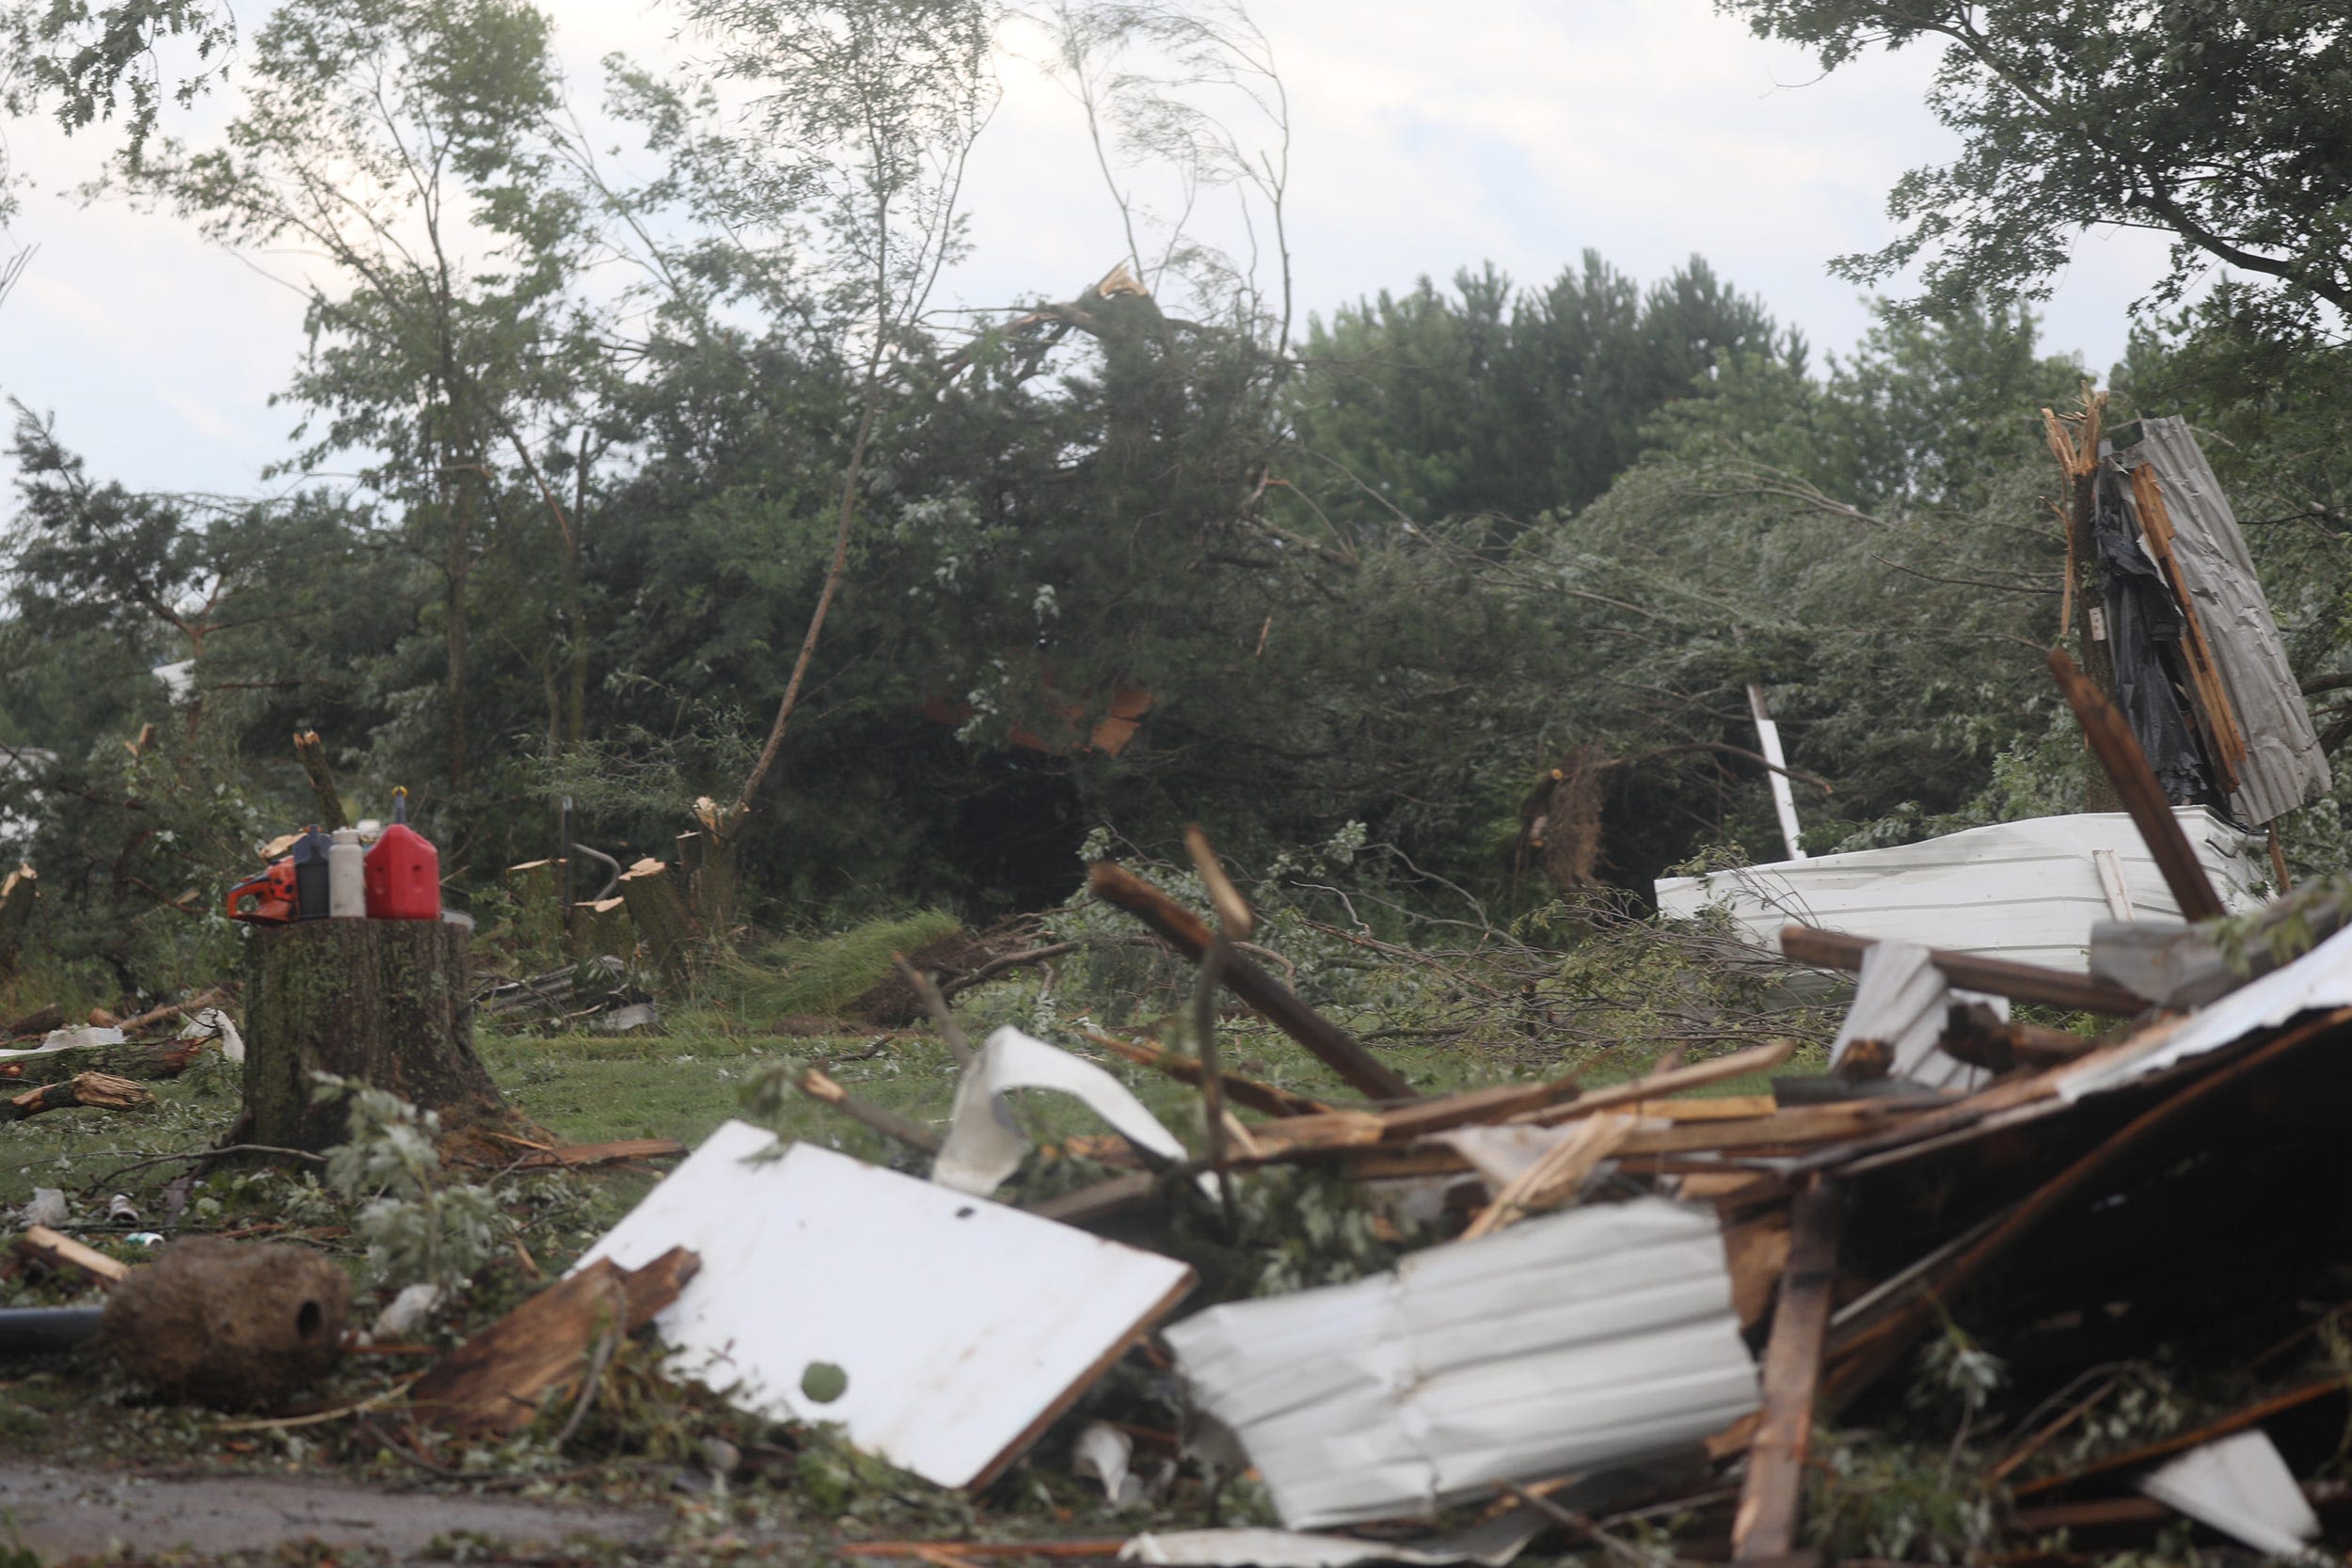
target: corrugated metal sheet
<point>1903,1000</point>
<point>1584,1339</point>
<point>2284,766</point>
<point>2318,981</point>
<point>2027,891</point>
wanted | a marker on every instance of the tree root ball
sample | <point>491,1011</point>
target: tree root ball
<point>232,1326</point>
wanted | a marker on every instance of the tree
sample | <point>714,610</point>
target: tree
<point>402,147</point>
<point>1492,401</point>
<point>862,117</point>
<point>2219,123</point>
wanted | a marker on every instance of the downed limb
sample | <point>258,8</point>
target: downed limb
<point>1331,1045</point>
<point>60,1251</point>
<point>97,1091</point>
<point>821,1089</point>
<point>1257,1095</point>
<point>139,1059</point>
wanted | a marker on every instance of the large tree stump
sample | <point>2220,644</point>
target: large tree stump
<point>387,1001</point>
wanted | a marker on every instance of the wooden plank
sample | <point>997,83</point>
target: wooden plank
<point>1866,1349</point>
<point>2237,1420</point>
<point>571,1155</point>
<point>1808,944</point>
<point>2126,766</point>
<point>2210,701</point>
<point>1756,1058</point>
<point>1765,1525</point>
<point>62,1251</point>
<point>1183,930</point>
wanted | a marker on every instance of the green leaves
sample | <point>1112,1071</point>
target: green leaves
<point>2220,124</point>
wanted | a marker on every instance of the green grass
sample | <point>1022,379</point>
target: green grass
<point>818,976</point>
<point>683,1083</point>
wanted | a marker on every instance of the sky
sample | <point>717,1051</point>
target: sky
<point>1520,132</point>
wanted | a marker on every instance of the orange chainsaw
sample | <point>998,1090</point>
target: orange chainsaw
<point>276,898</point>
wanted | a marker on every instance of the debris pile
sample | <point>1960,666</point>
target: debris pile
<point>1634,1301</point>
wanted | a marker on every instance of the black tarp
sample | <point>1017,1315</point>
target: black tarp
<point>2144,629</point>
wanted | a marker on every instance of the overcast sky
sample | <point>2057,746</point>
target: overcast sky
<point>1517,130</point>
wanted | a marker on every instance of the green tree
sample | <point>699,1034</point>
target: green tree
<point>403,146</point>
<point>2219,123</point>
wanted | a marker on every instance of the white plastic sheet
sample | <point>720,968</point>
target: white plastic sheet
<point>984,1147</point>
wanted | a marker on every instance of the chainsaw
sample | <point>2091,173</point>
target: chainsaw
<point>276,898</point>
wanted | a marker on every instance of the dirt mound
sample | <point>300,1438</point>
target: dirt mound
<point>892,1003</point>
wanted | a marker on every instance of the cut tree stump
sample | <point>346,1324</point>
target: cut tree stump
<point>659,910</point>
<point>386,1002</point>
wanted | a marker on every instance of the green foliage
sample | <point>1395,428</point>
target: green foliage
<point>2220,124</point>
<point>419,1228</point>
<point>818,976</point>
<point>1496,402</point>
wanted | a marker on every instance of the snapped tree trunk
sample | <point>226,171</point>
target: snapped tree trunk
<point>387,1001</point>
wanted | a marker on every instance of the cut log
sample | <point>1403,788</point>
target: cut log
<point>496,1382</point>
<point>233,1326</point>
<point>38,1021</point>
<point>312,752</point>
<point>97,1091</point>
<point>386,1002</point>
<point>658,909</point>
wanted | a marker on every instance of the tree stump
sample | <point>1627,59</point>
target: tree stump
<point>387,1001</point>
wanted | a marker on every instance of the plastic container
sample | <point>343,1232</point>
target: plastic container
<point>346,875</point>
<point>404,871</point>
<point>309,868</point>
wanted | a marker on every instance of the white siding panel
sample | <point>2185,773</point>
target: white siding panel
<point>2028,890</point>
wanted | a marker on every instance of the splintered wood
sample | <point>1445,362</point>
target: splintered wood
<point>497,1382</point>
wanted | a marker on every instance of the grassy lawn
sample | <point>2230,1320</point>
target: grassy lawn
<point>684,1082</point>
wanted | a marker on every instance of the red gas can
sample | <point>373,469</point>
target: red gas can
<point>404,871</point>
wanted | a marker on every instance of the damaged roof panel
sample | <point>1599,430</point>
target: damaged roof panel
<point>1597,1336</point>
<point>2284,766</point>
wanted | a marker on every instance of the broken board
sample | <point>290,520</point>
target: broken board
<point>962,1327</point>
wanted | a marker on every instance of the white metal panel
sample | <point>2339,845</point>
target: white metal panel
<point>963,1326</point>
<point>2318,981</point>
<point>1580,1340</point>
<point>2028,890</point>
<point>2284,766</point>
